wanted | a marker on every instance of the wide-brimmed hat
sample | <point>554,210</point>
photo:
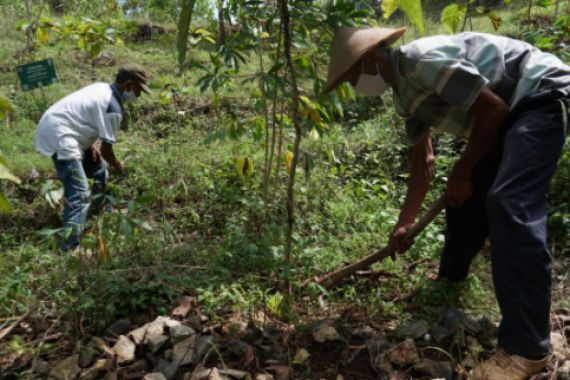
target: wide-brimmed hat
<point>137,73</point>
<point>350,44</point>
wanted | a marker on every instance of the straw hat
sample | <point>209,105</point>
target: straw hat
<point>350,44</point>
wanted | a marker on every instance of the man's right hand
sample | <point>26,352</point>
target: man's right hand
<point>119,168</point>
<point>397,240</point>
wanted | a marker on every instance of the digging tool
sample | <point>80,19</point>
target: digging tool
<point>335,277</point>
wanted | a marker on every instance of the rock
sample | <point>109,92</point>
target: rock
<point>95,372</point>
<point>563,373</point>
<point>204,345</point>
<point>120,327</point>
<point>184,352</point>
<point>326,333</point>
<point>66,369</point>
<point>155,342</point>
<point>180,332</point>
<point>452,319</point>
<point>435,369</point>
<point>439,333</point>
<point>125,350</point>
<point>471,326</point>
<point>41,367</point>
<point>234,373</point>
<point>168,369</point>
<point>488,335</point>
<point>138,335</point>
<point>156,327</point>
<point>264,376</point>
<point>414,330</point>
<point>558,344</point>
<point>141,365</point>
<point>154,376</point>
<point>281,372</point>
<point>206,374</point>
<point>86,356</point>
<point>404,354</point>
<point>301,356</point>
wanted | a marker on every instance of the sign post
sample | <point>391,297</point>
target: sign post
<point>37,74</point>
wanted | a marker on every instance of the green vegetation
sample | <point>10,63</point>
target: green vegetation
<point>202,208</point>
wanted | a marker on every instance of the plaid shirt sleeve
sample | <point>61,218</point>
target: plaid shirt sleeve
<point>455,80</point>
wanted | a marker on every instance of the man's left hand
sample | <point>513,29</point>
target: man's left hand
<point>459,188</point>
<point>95,153</point>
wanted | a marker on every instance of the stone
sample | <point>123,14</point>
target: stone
<point>138,335</point>
<point>66,369</point>
<point>488,335</point>
<point>281,372</point>
<point>120,327</point>
<point>435,369</point>
<point>326,333</point>
<point>414,330</point>
<point>154,376</point>
<point>404,354</point>
<point>207,374</point>
<point>41,367</point>
<point>234,373</point>
<point>180,332</point>
<point>558,343</point>
<point>155,342</point>
<point>264,376</point>
<point>95,372</point>
<point>184,352</point>
<point>125,350</point>
<point>563,372</point>
<point>168,369</point>
<point>204,345</point>
<point>439,333</point>
<point>301,356</point>
<point>86,356</point>
<point>471,325</point>
<point>452,319</point>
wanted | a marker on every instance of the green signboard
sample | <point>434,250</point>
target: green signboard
<point>37,74</point>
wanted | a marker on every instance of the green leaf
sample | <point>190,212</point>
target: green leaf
<point>5,106</point>
<point>4,205</point>
<point>388,8</point>
<point>5,173</point>
<point>452,16</point>
<point>413,9</point>
<point>42,35</point>
<point>274,304</point>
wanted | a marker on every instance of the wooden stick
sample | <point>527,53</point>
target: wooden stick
<point>21,319</point>
<point>335,277</point>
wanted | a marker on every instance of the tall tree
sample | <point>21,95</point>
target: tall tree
<point>183,30</point>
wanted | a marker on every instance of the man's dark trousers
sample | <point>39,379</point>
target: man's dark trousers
<point>510,184</point>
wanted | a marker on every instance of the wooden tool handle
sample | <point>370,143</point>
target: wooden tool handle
<point>333,278</point>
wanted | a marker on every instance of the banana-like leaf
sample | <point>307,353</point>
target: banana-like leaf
<point>244,166</point>
<point>388,8</point>
<point>42,35</point>
<point>5,105</point>
<point>5,173</point>
<point>452,16</point>
<point>288,160</point>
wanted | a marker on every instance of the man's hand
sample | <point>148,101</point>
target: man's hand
<point>119,168</point>
<point>459,187</point>
<point>397,240</point>
<point>95,153</point>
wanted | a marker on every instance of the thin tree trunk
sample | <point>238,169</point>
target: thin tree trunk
<point>274,111</point>
<point>222,27</point>
<point>183,29</point>
<point>298,134</point>
<point>279,145</point>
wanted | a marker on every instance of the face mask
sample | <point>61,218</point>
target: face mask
<point>128,96</point>
<point>371,85</point>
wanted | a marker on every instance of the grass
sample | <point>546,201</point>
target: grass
<point>212,233</point>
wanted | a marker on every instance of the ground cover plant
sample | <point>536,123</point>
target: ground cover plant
<point>243,184</point>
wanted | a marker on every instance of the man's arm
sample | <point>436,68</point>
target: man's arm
<point>109,156</point>
<point>489,113</point>
<point>421,174</point>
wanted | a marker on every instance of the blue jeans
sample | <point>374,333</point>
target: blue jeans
<point>509,205</point>
<point>76,194</point>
